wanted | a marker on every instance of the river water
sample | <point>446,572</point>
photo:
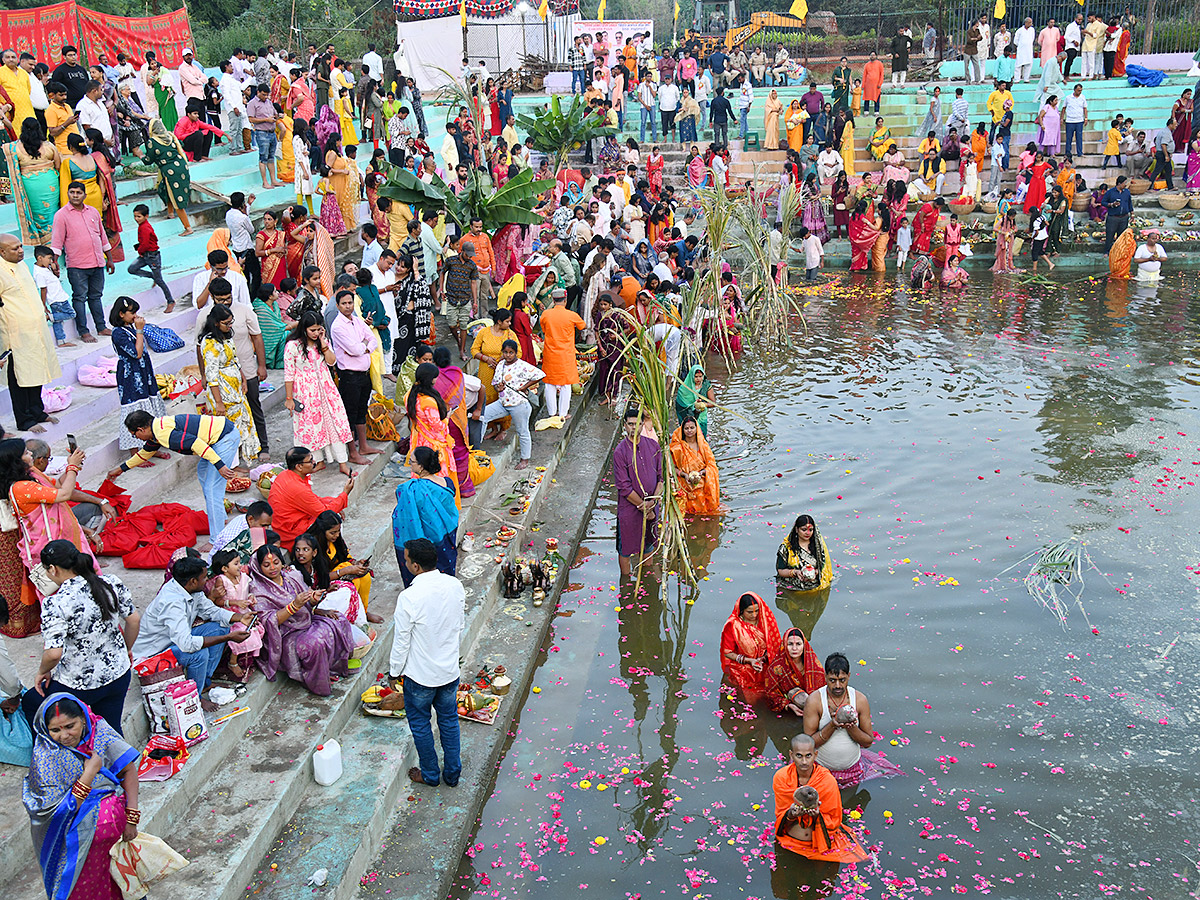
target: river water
<point>937,441</point>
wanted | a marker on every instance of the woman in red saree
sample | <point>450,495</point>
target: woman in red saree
<point>1036,195</point>
<point>654,171</point>
<point>450,383</point>
<point>523,327</point>
<point>749,639</point>
<point>269,246</point>
<point>1181,121</point>
<point>925,223</point>
<point>1122,52</point>
<point>794,674</point>
<point>297,234</point>
<point>864,229</point>
<point>507,245</point>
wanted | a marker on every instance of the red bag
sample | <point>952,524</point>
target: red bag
<point>162,758</point>
<point>115,494</point>
<point>159,662</point>
<point>176,533</point>
<point>149,556</point>
<point>124,534</point>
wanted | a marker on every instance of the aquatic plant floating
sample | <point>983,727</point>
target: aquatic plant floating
<point>1056,577</point>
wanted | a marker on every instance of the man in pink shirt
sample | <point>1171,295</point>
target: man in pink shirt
<point>191,77</point>
<point>78,232</point>
<point>1048,42</point>
<point>353,340</point>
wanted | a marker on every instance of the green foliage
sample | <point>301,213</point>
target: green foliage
<point>557,133</point>
<point>512,203</point>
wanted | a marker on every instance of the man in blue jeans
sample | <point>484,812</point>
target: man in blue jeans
<point>430,615</point>
<point>261,113</point>
<point>167,624</point>
<point>579,62</point>
<point>78,234</point>
<point>214,439</point>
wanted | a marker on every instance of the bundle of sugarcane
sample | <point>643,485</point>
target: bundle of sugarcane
<point>654,390</point>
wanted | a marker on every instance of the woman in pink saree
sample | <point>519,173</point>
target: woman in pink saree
<point>507,245</point>
<point>451,384</point>
<point>697,171</point>
<point>654,171</point>
<point>864,229</point>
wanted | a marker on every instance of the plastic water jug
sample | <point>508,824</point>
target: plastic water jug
<point>327,762</point>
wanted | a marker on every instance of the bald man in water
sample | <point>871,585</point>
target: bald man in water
<point>829,840</point>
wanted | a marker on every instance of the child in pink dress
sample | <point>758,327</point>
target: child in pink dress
<point>226,569</point>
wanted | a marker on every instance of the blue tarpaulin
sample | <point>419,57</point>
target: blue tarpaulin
<point>1139,76</point>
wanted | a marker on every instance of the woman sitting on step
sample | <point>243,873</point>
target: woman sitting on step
<point>311,645</point>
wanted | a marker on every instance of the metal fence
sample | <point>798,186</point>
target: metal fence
<point>505,45</point>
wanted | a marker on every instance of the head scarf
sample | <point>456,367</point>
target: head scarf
<point>786,673</point>
<point>62,825</point>
<point>759,639</point>
<point>220,241</point>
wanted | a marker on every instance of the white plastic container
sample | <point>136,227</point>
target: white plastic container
<point>327,762</point>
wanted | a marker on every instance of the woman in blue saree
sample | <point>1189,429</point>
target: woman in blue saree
<point>81,794</point>
<point>425,508</point>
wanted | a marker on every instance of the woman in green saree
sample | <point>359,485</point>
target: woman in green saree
<point>33,165</point>
<point>694,396</point>
<point>164,152</point>
<point>270,322</point>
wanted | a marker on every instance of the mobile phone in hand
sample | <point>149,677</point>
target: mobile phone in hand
<point>72,444</point>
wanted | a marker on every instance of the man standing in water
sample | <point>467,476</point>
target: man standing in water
<point>637,471</point>
<point>840,734</point>
<point>816,836</point>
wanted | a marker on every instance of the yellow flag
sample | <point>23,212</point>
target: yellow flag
<point>600,11</point>
<point>1000,10</point>
<point>462,12</point>
<point>676,10</point>
<point>544,9</point>
<point>799,9</point>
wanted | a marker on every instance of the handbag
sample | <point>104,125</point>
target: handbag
<point>160,339</point>
<point>136,865</point>
<point>380,426</point>
<point>16,740</point>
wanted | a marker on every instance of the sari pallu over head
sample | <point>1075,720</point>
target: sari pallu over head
<point>63,827</point>
<point>757,640</point>
<point>784,674</point>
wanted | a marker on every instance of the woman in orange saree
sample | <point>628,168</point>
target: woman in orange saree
<point>697,481</point>
<point>864,229</point>
<point>749,639</point>
<point>1122,52</point>
<point>1120,257</point>
<point>428,420</point>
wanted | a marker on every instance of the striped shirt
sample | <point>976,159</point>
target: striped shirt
<point>192,435</point>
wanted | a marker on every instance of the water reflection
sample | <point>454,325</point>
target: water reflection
<point>897,410</point>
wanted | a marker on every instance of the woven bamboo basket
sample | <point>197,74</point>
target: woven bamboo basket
<point>1080,203</point>
<point>1172,202</point>
<point>1138,186</point>
<point>991,207</point>
<point>962,207</point>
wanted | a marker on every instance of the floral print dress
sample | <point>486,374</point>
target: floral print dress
<point>221,369</point>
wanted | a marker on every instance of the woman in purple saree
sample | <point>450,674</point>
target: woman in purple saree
<point>450,385</point>
<point>310,645</point>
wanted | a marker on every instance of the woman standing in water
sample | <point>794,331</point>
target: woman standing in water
<point>802,561</point>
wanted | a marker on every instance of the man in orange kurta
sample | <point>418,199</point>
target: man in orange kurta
<point>872,83</point>
<point>294,503</point>
<point>831,840</point>
<point>559,325</point>
<point>485,258</point>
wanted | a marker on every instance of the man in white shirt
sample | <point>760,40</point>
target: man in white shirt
<point>218,267</point>
<point>429,620</point>
<point>744,102</point>
<point>646,98</point>
<point>1073,39</point>
<point>1075,115</point>
<point>668,105</point>
<point>374,63</point>
<point>1149,257</point>
<point>384,281</point>
<point>242,70</point>
<point>234,106</point>
<point>93,113</point>
<point>1024,39</point>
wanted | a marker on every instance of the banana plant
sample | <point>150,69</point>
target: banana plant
<point>512,203</point>
<point>556,133</point>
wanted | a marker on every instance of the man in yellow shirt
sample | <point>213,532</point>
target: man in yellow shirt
<point>995,104</point>
<point>929,142</point>
<point>60,119</point>
<point>15,82</point>
<point>1093,47</point>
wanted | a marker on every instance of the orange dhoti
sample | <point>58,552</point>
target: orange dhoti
<point>831,840</point>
